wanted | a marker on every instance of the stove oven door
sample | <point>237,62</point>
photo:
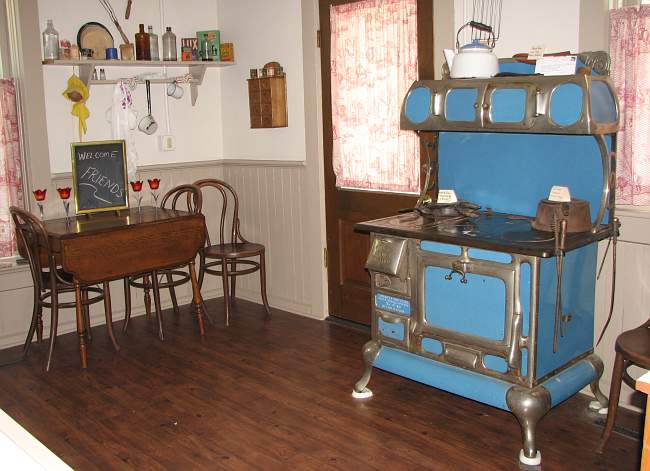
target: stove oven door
<point>470,308</point>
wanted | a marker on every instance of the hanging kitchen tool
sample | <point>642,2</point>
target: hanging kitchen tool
<point>148,124</point>
<point>561,218</point>
<point>487,12</point>
<point>473,60</point>
<point>127,13</point>
<point>111,13</point>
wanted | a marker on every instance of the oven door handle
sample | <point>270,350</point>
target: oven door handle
<point>461,268</point>
<point>450,276</point>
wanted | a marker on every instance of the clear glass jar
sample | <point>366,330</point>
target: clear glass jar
<point>50,42</point>
<point>153,44</point>
<point>169,45</point>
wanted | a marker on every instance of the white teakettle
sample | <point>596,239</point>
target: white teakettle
<point>473,60</point>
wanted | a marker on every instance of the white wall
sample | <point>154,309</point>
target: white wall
<point>218,126</point>
<point>197,129</point>
<point>262,32</point>
<point>525,23</point>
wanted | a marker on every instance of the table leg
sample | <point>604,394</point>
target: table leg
<point>81,326</point>
<point>156,299</point>
<point>196,298</point>
<point>645,453</point>
<point>108,312</point>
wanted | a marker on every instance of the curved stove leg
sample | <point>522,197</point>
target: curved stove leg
<point>370,351</point>
<point>529,405</point>
<point>601,402</point>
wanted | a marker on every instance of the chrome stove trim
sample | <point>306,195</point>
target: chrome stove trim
<point>605,200</point>
<point>537,118</point>
<point>534,317</point>
<point>452,341</point>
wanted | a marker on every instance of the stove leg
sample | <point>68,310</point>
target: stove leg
<point>370,351</point>
<point>529,405</point>
<point>601,402</point>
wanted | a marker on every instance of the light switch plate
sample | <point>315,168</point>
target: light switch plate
<point>167,143</point>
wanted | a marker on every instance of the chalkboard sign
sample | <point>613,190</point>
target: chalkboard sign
<point>99,176</point>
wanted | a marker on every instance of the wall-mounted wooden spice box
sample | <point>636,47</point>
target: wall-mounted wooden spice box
<point>267,98</point>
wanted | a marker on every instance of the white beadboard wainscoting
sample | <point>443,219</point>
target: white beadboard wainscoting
<point>632,302</point>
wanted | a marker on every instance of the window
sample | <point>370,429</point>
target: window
<point>374,61</point>
<point>629,37</point>
<point>11,188</point>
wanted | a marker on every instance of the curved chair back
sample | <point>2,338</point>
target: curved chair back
<point>229,211</point>
<point>33,243</point>
<point>193,198</point>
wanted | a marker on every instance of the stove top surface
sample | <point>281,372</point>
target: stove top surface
<point>483,229</point>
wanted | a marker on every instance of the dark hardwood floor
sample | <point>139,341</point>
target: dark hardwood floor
<point>269,395</point>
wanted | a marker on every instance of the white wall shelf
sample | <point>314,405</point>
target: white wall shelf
<point>86,67</point>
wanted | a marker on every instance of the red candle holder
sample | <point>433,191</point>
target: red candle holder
<point>39,196</point>
<point>136,186</point>
<point>154,186</point>
<point>64,194</point>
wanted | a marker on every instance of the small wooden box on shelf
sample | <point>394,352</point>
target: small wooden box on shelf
<point>267,98</point>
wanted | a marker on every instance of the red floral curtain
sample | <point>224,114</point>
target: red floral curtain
<point>630,51</point>
<point>11,188</point>
<point>373,64</point>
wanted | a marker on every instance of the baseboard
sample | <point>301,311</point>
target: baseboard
<point>67,321</point>
<point>289,305</point>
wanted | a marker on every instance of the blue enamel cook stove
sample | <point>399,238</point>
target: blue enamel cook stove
<point>468,302</point>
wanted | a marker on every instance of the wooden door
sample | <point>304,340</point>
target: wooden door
<point>349,282</point>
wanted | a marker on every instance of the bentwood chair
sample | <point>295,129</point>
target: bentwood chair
<point>632,348</point>
<point>230,256</point>
<point>50,281</point>
<point>192,197</point>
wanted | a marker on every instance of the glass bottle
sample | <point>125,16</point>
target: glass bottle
<point>142,49</point>
<point>169,45</point>
<point>153,44</point>
<point>50,42</point>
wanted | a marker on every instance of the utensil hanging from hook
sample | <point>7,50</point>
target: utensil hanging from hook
<point>148,124</point>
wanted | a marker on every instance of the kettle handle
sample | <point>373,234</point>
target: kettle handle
<point>479,26</point>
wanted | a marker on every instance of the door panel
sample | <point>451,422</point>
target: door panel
<point>349,282</point>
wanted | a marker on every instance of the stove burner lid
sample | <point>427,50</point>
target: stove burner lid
<point>449,210</point>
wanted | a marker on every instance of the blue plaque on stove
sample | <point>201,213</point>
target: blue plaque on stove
<point>393,304</point>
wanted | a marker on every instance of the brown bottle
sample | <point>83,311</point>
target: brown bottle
<point>142,50</point>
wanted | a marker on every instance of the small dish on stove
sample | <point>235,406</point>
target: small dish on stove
<point>95,36</point>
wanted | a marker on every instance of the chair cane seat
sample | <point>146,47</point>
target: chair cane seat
<point>635,346</point>
<point>246,249</point>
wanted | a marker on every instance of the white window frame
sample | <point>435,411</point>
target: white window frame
<point>9,53</point>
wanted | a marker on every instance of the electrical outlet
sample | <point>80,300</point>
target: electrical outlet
<point>167,143</point>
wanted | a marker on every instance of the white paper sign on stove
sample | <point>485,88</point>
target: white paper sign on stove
<point>560,194</point>
<point>556,65</point>
<point>536,52</point>
<point>447,197</point>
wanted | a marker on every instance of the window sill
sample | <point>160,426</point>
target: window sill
<point>641,212</point>
<point>9,265</point>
